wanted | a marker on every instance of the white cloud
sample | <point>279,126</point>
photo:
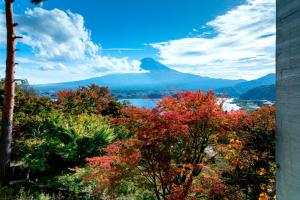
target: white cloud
<point>62,48</point>
<point>38,71</point>
<point>240,45</point>
<point>51,67</point>
<point>56,34</point>
<point>122,49</point>
<point>104,63</point>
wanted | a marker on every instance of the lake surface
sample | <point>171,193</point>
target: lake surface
<point>151,103</point>
<point>147,103</point>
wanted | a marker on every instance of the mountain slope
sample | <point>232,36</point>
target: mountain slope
<point>241,88</point>
<point>265,92</point>
<point>158,77</point>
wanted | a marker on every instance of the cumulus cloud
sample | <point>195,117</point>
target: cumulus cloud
<point>56,34</point>
<point>240,44</point>
<point>53,67</point>
<point>104,63</point>
<point>62,47</point>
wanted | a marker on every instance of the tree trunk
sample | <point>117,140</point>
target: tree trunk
<point>9,95</point>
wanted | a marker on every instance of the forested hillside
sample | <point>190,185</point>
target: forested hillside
<point>244,87</point>
<point>265,92</point>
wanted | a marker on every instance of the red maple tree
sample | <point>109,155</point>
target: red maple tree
<point>167,150</point>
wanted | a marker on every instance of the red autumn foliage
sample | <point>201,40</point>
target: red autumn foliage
<point>167,149</point>
<point>166,152</point>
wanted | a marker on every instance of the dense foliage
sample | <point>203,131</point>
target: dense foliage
<point>168,148</point>
<point>189,148</point>
<point>87,145</point>
<point>251,153</point>
<point>53,138</point>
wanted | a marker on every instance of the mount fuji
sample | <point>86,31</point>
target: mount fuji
<point>157,77</point>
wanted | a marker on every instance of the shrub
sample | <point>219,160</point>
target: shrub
<point>57,142</point>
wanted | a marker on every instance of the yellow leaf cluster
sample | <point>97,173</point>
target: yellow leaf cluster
<point>263,196</point>
<point>261,171</point>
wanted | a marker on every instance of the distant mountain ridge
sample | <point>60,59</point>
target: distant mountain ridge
<point>241,88</point>
<point>159,77</point>
<point>264,92</point>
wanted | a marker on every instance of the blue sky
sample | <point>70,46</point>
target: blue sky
<point>69,40</point>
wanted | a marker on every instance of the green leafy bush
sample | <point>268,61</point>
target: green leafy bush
<point>56,142</point>
<point>74,182</point>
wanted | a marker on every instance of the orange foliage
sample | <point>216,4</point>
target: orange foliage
<point>251,152</point>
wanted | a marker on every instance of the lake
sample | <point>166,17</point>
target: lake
<point>147,103</point>
<point>151,103</point>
